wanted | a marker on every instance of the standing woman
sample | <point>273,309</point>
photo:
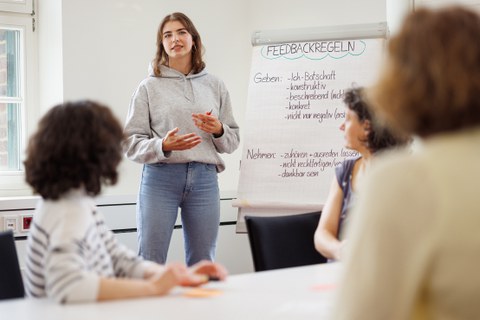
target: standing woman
<point>180,119</point>
<point>362,134</point>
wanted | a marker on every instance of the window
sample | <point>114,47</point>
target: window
<point>11,101</point>
<point>17,52</point>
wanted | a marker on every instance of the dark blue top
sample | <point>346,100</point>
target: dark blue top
<point>344,177</point>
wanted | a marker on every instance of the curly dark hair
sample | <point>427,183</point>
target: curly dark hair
<point>379,136</point>
<point>161,56</point>
<point>77,144</point>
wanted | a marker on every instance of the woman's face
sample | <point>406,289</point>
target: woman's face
<point>177,41</point>
<point>356,131</point>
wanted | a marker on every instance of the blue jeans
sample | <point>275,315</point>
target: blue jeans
<point>193,187</point>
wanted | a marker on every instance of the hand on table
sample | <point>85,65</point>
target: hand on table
<point>178,274</point>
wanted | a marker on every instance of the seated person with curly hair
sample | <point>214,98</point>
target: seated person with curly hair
<point>72,256</point>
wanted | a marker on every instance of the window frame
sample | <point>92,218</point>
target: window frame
<point>12,183</point>
<point>19,6</point>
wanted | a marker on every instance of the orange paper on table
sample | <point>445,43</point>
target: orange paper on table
<point>202,293</point>
<point>324,287</point>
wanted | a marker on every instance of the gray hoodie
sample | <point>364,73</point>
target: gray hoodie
<point>162,103</point>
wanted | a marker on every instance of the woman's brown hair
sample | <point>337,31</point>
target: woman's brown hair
<point>77,144</point>
<point>431,83</point>
<point>379,137</point>
<point>161,57</point>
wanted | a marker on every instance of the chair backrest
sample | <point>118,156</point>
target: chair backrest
<point>11,284</point>
<point>283,241</point>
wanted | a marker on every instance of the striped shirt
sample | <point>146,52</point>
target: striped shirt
<point>70,249</point>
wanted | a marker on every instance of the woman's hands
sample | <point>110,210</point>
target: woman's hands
<point>178,274</point>
<point>208,123</point>
<point>205,122</point>
<point>209,269</point>
<point>172,141</point>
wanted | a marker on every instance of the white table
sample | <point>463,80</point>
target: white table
<point>293,294</point>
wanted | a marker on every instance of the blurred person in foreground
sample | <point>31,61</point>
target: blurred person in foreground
<point>413,240</point>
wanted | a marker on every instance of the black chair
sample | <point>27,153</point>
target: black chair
<point>11,284</point>
<point>283,241</point>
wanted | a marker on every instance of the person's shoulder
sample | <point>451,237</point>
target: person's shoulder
<point>402,163</point>
<point>145,86</point>
<point>142,86</point>
<point>68,216</point>
<point>348,164</point>
<point>351,161</point>
<point>149,80</point>
<point>210,77</point>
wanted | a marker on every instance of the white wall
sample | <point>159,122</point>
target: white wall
<point>472,4</point>
<point>274,14</point>
<point>106,46</point>
<point>50,67</point>
<point>396,12</point>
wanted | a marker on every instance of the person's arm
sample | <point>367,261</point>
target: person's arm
<point>326,241</point>
<point>68,281</point>
<point>229,140</point>
<point>139,144</point>
<point>158,281</point>
<point>123,288</point>
<point>390,244</point>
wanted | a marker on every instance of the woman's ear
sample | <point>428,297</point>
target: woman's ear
<point>367,126</point>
